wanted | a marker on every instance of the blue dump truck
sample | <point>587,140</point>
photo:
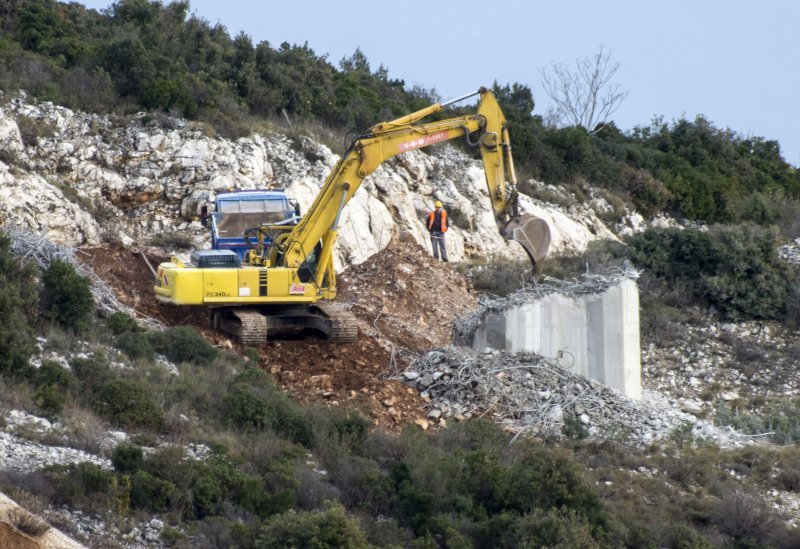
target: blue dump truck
<point>240,211</point>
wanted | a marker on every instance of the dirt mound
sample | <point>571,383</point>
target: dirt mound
<point>410,298</point>
<point>126,272</point>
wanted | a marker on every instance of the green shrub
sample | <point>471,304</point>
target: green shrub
<point>120,322</point>
<point>549,478</point>
<point>499,276</point>
<point>52,373</point>
<point>184,344</point>
<point>557,527</point>
<point>151,493</point>
<point>127,458</point>
<point>127,403</point>
<point>74,484</point>
<point>53,384</point>
<point>347,429</point>
<point>135,345</point>
<point>734,268</point>
<point>329,528</point>
<point>92,371</point>
<point>262,501</point>
<point>780,417</point>
<point>66,296</point>
<point>16,339</point>
<point>50,399</point>
<point>253,401</point>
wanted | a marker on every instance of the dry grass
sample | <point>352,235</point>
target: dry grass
<point>27,523</point>
<point>86,429</point>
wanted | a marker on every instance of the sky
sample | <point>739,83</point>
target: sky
<point>735,62</point>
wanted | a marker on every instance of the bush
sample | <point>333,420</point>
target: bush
<point>555,528</point>
<point>66,296</point>
<point>16,339</point>
<point>734,268</point>
<point>184,344</point>
<point>119,323</point>
<point>76,483</point>
<point>546,479</point>
<point>149,492</point>
<point>780,417</point>
<point>500,276</point>
<point>127,458</point>
<point>744,517</point>
<point>135,345</point>
<point>53,384</point>
<point>329,528</point>
<point>127,403</point>
<point>253,401</point>
<point>92,371</point>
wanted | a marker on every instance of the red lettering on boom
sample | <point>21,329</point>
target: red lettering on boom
<point>423,141</point>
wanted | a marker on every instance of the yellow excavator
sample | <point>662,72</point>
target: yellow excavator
<point>287,281</point>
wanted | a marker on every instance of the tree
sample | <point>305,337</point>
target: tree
<point>584,96</point>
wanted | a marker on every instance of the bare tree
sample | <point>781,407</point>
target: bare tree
<point>584,96</point>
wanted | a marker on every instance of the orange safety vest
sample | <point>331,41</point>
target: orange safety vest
<point>432,220</point>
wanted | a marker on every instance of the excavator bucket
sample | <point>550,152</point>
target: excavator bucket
<point>533,233</point>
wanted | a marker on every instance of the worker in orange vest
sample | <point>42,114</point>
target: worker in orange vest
<point>437,226</point>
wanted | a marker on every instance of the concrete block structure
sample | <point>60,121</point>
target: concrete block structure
<point>594,335</point>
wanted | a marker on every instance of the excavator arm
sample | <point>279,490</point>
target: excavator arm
<point>486,129</point>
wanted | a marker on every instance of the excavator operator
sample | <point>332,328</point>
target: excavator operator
<point>437,226</point>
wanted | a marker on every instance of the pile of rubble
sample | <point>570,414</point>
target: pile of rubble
<point>407,296</point>
<point>531,395</point>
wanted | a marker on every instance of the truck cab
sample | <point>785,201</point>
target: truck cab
<point>238,211</point>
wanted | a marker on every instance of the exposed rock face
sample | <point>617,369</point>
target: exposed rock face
<point>87,179</point>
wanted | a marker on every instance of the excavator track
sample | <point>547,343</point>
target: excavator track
<point>344,328</point>
<point>249,326</point>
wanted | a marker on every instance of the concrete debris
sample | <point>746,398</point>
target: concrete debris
<point>532,396</point>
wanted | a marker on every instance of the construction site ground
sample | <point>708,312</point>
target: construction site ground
<point>405,303</point>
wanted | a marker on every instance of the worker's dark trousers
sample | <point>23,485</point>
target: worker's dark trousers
<point>437,241</point>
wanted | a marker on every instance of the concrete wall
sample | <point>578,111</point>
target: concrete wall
<point>596,336</point>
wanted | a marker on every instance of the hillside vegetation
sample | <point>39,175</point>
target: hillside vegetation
<point>221,457</point>
<point>145,55</point>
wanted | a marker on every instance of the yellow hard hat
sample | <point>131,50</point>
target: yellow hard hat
<point>437,204</point>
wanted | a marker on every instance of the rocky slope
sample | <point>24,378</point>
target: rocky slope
<point>83,178</point>
<point>87,180</point>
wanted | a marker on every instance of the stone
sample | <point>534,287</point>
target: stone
<point>435,414</point>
